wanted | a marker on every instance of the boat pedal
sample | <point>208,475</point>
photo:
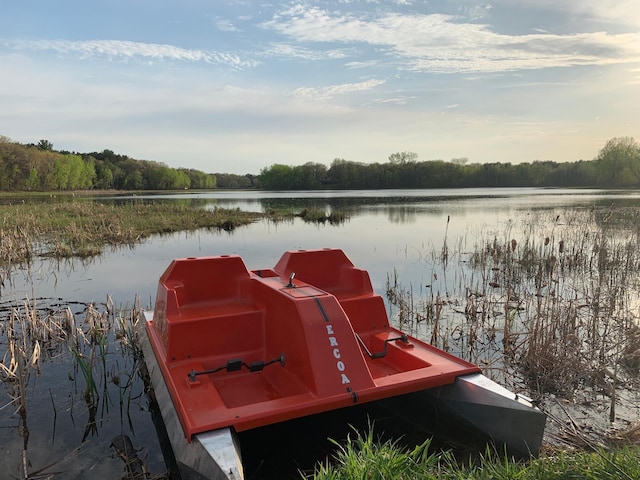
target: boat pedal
<point>402,338</point>
<point>236,364</point>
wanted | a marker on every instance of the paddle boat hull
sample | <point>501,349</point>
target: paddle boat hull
<point>253,367</point>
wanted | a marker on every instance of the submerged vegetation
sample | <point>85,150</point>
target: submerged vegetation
<point>315,215</point>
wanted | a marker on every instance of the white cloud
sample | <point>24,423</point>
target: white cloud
<point>440,43</point>
<point>289,50</point>
<point>331,91</point>
<point>120,49</point>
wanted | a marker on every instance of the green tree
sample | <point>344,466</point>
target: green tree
<point>44,145</point>
<point>230,180</point>
<point>181,180</point>
<point>77,172</point>
<point>277,177</point>
<point>346,174</point>
<point>33,182</point>
<point>89,175</point>
<point>618,163</point>
<point>61,174</point>
<point>103,173</point>
<point>309,176</point>
<point>198,179</point>
<point>128,174</point>
<point>403,158</point>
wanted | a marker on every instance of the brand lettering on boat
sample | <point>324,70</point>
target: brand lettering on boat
<point>333,342</point>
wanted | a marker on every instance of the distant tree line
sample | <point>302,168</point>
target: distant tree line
<point>38,167</point>
<point>617,165</point>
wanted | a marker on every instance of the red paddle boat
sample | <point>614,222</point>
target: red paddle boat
<point>255,368</point>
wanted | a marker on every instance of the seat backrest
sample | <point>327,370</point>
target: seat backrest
<point>205,279</point>
<point>327,269</point>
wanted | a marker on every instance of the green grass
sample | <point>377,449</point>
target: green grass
<point>314,215</point>
<point>362,458</point>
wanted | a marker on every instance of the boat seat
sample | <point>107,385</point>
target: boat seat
<point>210,309</point>
<point>218,309</point>
<point>205,333</point>
<point>327,269</point>
<point>215,282</point>
<point>366,313</point>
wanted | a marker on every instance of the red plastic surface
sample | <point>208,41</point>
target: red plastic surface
<point>212,312</point>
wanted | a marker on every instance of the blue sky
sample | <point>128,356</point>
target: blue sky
<point>238,86</point>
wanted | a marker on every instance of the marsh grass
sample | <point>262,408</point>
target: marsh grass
<point>34,333</point>
<point>546,303</point>
<point>82,228</point>
<point>315,215</point>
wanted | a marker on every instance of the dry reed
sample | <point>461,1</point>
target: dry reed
<point>33,332</point>
<point>546,303</point>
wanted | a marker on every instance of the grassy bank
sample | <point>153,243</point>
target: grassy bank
<point>363,458</point>
<point>84,228</point>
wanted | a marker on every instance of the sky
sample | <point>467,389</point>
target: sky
<point>235,87</point>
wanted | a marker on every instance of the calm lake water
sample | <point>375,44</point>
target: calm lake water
<point>390,233</point>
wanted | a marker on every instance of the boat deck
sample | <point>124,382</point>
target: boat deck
<point>244,349</point>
